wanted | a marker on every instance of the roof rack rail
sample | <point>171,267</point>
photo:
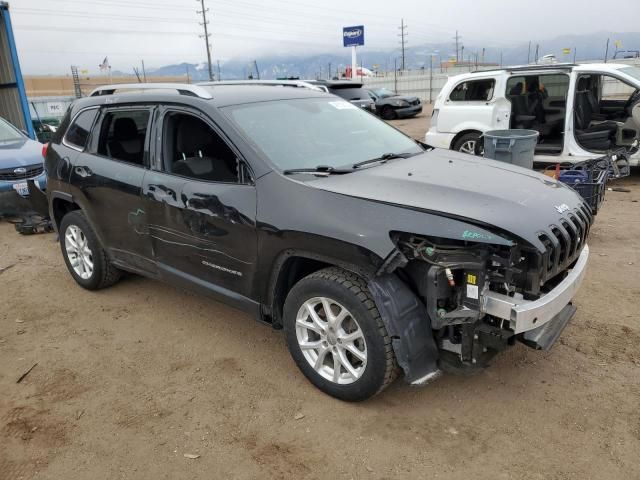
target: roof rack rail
<point>180,88</point>
<point>277,83</point>
<point>533,66</point>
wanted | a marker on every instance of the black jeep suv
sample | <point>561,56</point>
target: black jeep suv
<point>378,255</point>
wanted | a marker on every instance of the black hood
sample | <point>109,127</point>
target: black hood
<point>488,192</point>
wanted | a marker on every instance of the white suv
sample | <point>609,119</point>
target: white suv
<point>579,110</point>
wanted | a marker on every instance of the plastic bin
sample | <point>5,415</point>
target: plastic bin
<point>515,146</point>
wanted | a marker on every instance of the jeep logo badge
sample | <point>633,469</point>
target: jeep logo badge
<point>20,170</point>
<point>562,208</point>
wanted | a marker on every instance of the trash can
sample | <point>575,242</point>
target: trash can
<point>515,146</point>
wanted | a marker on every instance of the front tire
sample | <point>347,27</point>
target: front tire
<point>467,143</point>
<point>388,113</point>
<point>83,254</point>
<point>336,336</point>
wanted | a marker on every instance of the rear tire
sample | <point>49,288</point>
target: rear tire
<point>83,254</point>
<point>347,354</point>
<point>467,143</point>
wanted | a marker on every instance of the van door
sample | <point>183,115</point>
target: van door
<point>473,105</point>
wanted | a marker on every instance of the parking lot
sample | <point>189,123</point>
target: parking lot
<point>130,379</point>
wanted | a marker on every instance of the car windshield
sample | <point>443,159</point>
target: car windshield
<point>8,133</point>
<point>632,72</point>
<point>384,93</point>
<point>306,133</point>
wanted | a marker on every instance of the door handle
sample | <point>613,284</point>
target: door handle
<point>83,171</point>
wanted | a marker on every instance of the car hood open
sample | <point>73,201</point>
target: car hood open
<point>461,186</point>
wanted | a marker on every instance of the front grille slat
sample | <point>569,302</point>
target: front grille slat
<point>9,174</point>
<point>564,241</point>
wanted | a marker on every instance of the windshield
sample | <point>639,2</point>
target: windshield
<point>305,133</point>
<point>632,72</point>
<point>384,93</point>
<point>8,133</point>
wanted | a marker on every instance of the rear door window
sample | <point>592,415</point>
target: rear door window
<point>473,91</point>
<point>78,133</point>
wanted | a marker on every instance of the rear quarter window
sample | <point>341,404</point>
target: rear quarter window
<point>78,132</point>
<point>473,91</point>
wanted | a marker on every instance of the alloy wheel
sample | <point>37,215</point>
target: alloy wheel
<point>331,340</point>
<point>78,252</point>
<point>468,147</point>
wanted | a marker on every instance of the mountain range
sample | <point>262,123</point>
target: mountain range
<point>584,47</point>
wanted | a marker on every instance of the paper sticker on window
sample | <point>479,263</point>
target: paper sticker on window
<point>472,291</point>
<point>343,105</point>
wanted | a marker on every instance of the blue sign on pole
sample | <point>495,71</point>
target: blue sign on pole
<point>353,36</point>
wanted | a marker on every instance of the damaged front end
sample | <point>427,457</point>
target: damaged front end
<point>480,297</point>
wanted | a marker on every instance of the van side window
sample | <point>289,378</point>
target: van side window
<point>78,132</point>
<point>473,91</point>
<point>122,135</point>
<point>191,148</point>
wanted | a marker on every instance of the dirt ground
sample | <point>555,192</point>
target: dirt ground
<point>130,379</point>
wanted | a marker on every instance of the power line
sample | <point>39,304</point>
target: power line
<point>403,40</point>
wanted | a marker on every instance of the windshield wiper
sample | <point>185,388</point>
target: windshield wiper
<point>383,158</point>
<point>321,169</point>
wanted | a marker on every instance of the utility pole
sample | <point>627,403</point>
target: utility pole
<point>188,78</point>
<point>219,75</point>
<point>529,53</point>
<point>206,35</point>
<point>575,51</point>
<point>329,72</point>
<point>461,53</point>
<point>403,41</point>
<point>255,63</point>
<point>395,74</point>
<point>606,52</point>
<point>144,72</point>
<point>537,51</point>
<point>457,39</point>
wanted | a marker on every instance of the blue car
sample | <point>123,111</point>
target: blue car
<point>20,160</point>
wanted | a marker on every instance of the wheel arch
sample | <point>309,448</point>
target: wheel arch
<point>292,266</point>
<point>61,204</point>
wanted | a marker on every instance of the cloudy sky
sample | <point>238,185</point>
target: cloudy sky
<point>51,35</point>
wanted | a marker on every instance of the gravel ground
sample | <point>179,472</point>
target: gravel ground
<point>131,379</point>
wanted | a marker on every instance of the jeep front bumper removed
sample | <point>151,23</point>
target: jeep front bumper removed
<point>534,315</point>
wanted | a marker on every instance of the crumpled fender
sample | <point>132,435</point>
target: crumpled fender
<point>407,322</point>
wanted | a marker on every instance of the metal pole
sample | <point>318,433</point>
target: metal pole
<point>606,52</point>
<point>529,53</point>
<point>206,37</point>
<point>395,75</point>
<point>430,79</point>
<point>144,72</point>
<point>354,63</point>
<point>219,76</point>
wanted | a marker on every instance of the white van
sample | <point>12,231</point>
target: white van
<point>579,110</point>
